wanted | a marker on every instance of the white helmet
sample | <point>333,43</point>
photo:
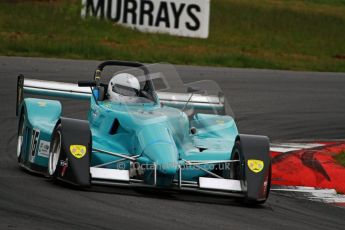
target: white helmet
<point>123,84</point>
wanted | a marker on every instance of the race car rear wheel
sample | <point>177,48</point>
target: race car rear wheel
<point>20,138</point>
<point>54,153</point>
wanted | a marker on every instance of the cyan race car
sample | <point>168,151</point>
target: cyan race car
<point>145,128</point>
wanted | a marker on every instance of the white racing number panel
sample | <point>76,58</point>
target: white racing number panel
<point>35,136</point>
<point>220,184</point>
<point>109,174</point>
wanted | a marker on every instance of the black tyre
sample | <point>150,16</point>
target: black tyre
<point>234,170</point>
<point>237,172</point>
<point>268,188</point>
<point>65,164</point>
<point>20,138</point>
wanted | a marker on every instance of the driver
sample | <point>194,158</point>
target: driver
<point>125,87</point>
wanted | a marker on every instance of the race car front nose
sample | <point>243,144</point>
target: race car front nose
<point>165,156</point>
<point>159,146</point>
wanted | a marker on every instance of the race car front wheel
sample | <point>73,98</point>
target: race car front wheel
<point>256,168</point>
<point>54,153</point>
<point>69,154</point>
<point>236,169</point>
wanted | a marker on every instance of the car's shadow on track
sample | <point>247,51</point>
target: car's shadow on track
<point>185,196</point>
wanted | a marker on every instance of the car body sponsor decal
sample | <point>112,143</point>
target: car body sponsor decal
<point>255,165</point>
<point>64,165</point>
<point>78,151</point>
<point>43,149</point>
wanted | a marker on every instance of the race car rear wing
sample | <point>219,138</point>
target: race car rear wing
<point>49,88</point>
<point>73,91</point>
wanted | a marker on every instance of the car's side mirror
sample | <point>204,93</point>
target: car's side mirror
<point>101,93</point>
<point>192,89</point>
<point>195,90</point>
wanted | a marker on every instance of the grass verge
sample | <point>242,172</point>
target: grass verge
<point>280,34</point>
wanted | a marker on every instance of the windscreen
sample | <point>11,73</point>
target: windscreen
<point>162,83</point>
<point>203,96</point>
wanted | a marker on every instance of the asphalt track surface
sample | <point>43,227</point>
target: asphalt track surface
<point>282,104</point>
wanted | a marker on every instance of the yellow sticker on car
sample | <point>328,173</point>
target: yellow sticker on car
<point>255,165</point>
<point>42,103</point>
<point>220,122</point>
<point>78,151</point>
